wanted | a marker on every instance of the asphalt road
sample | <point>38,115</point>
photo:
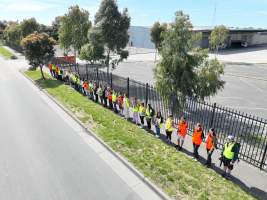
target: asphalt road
<point>41,156</point>
<point>245,88</point>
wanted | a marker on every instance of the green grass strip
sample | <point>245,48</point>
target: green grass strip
<point>176,173</point>
<point>6,53</point>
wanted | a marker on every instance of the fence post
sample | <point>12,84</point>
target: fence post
<point>213,114</point>
<point>97,78</point>
<point>263,157</point>
<point>111,83</point>
<point>128,86</point>
<point>78,69</point>
<point>146,94</point>
<point>86,68</point>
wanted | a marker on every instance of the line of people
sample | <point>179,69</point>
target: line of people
<point>141,113</point>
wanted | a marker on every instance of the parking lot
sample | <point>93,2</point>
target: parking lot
<point>246,78</point>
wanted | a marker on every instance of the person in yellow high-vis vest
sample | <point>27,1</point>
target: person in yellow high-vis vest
<point>114,101</point>
<point>126,106</point>
<point>229,155</point>
<point>135,109</point>
<point>169,128</point>
<point>142,113</point>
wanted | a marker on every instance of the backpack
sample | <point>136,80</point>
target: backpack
<point>152,112</point>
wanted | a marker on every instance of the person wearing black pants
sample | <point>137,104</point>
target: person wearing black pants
<point>196,147</point>
<point>197,138</point>
<point>149,115</point>
<point>105,96</point>
<point>211,144</point>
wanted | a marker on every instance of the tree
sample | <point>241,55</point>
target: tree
<point>218,37</point>
<point>157,33</point>
<point>73,28</point>
<point>55,27</point>
<point>38,49</point>
<point>184,69</point>
<point>92,53</point>
<point>3,25</point>
<point>94,50</point>
<point>12,34</point>
<point>113,26</point>
<point>28,26</point>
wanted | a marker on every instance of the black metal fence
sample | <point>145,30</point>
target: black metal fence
<point>249,130</point>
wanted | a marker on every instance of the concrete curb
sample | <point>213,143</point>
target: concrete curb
<point>145,180</point>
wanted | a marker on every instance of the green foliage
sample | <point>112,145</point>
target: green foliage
<point>157,32</point>
<point>92,52</point>
<point>28,26</point>
<point>218,37</point>
<point>12,34</point>
<point>176,173</point>
<point>184,70</point>
<point>39,49</point>
<point>113,26</point>
<point>15,31</point>
<point>73,29</point>
<point>55,27</point>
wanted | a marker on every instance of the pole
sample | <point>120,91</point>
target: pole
<point>87,75</point>
<point>97,78</point>
<point>146,94</point>
<point>128,86</point>
<point>78,69</point>
<point>111,83</point>
<point>263,158</point>
<point>213,114</point>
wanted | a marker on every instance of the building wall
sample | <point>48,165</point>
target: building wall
<point>140,37</point>
<point>259,38</point>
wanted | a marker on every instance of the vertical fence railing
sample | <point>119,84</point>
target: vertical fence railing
<point>250,131</point>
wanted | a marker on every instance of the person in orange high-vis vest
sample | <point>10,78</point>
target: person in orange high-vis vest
<point>211,144</point>
<point>181,132</point>
<point>110,99</point>
<point>50,69</point>
<point>197,138</point>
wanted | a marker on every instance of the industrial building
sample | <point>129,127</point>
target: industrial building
<point>238,37</point>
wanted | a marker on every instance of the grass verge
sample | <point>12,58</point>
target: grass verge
<point>177,174</point>
<point>6,53</point>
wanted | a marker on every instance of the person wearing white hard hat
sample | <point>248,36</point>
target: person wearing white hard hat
<point>229,155</point>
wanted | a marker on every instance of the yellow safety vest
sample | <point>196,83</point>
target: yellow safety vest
<point>148,113</point>
<point>114,97</point>
<point>169,125</point>
<point>159,122</point>
<point>136,108</point>
<point>228,153</point>
<point>142,111</point>
<point>127,102</point>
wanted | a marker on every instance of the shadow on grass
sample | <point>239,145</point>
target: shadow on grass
<point>255,192</point>
<point>48,83</point>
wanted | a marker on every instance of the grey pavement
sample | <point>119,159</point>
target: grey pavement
<point>46,155</point>
<point>245,88</point>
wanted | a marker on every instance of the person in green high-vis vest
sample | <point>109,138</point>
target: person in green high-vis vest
<point>229,155</point>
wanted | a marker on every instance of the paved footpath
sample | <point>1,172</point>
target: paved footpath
<point>45,154</point>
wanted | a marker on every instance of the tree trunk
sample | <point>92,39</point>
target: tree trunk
<point>156,55</point>
<point>42,73</point>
